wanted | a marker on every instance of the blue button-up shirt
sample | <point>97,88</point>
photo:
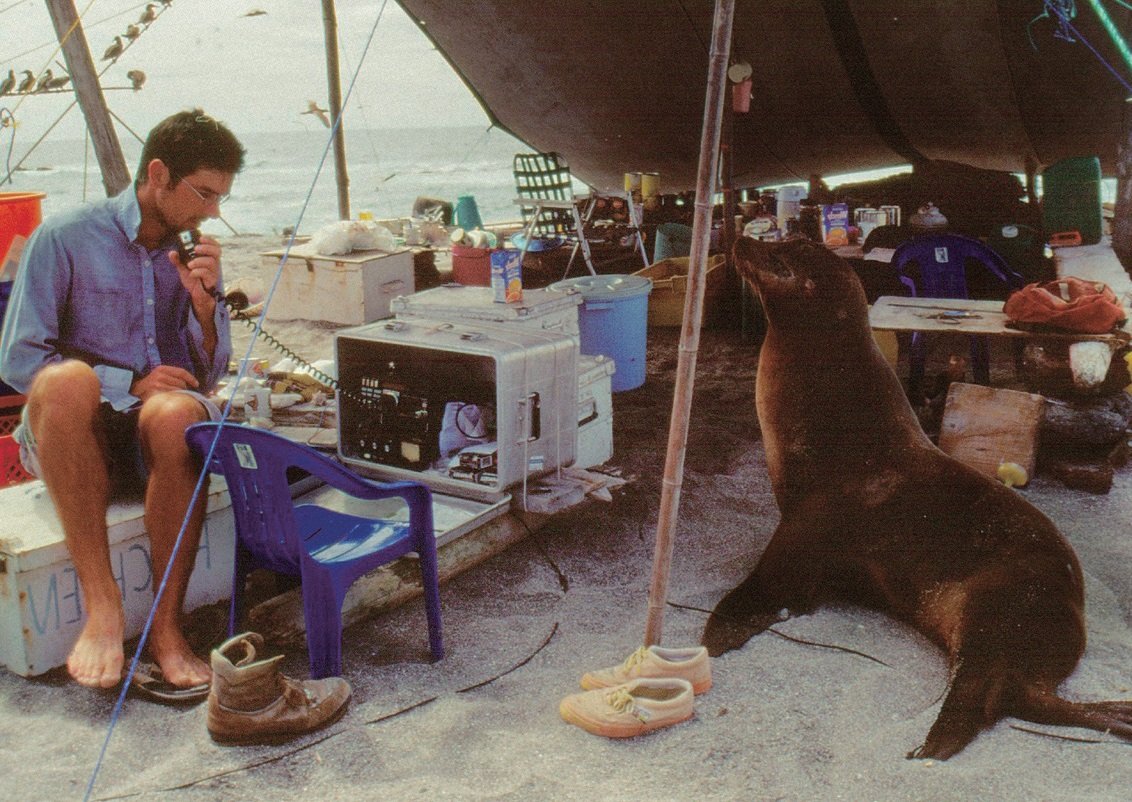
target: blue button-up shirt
<point>86,289</point>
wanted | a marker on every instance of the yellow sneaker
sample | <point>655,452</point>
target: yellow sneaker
<point>691,664</point>
<point>634,708</point>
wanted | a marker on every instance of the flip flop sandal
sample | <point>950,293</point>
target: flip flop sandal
<point>149,683</point>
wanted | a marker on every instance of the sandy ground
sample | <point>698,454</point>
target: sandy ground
<point>785,720</point>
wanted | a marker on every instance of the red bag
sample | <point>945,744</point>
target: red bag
<point>1069,304</point>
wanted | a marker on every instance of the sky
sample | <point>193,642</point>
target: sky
<point>253,72</point>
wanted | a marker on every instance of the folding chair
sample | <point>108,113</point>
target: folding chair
<point>326,548</point>
<point>550,210</point>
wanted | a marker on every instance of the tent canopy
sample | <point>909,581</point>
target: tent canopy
<point>839,85</point>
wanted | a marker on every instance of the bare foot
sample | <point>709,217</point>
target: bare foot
<point>179,666</point>
<point>96,659</point>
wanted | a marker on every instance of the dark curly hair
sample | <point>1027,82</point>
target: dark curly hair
<point>189,140</point>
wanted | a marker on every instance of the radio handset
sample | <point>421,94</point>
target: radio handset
<point>186,245</point>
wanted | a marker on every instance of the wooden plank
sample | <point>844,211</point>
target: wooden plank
<point>985,426</point>
<point>962,316</point>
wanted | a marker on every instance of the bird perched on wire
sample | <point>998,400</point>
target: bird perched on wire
<point>137,79</point>
<point>149,15</point>
<point>312,108</point>
<point>132,32</point>
<point>8,84</point>
<point>44,80</point>
<point>114,50</point>
<point>58,82</point>
<point>28,83</point>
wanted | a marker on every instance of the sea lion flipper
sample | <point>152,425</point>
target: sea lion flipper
<point>733,623</point>
<point>784,581</point>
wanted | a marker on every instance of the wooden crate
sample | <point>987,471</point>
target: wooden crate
<point>984,427</point>
<point>350,289</point>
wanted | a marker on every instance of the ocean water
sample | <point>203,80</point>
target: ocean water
<point>388,170</point>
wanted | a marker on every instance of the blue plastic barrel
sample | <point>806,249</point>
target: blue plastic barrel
<point>613,322</point>
<point>467,213</point>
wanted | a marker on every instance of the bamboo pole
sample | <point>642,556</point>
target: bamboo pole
<point>693,314</point>
<point>84,78</point>
<point>330,34</point>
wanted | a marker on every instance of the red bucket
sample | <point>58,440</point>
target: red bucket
<point>19,215</point>
<point>471,266</point>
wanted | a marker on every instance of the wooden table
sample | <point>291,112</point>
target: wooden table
<point>963,316</point>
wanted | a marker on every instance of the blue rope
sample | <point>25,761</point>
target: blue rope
<point>224,419</point>
<point>1067,25</point>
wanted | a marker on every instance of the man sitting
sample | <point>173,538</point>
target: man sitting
<point>115,339</point>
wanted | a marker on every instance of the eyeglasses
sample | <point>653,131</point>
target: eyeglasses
<point>207,195</point>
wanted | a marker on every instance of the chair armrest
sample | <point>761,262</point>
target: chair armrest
<point>342,478</point>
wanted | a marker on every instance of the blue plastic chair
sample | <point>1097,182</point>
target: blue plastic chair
<point>327,549</point>
<point>935,266</point>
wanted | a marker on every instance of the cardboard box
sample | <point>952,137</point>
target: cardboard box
<point>835,224</point>
<point>670,286</point>
<point>41,611</point>
<point>349,289</point>
<point>507,276</point>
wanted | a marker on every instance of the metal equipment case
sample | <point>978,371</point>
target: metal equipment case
<point>539,309</point>
<point>397,378</point>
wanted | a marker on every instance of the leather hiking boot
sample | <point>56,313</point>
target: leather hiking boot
<point>250,702</point>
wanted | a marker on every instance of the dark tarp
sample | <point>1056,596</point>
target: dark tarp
<point>840,85</point>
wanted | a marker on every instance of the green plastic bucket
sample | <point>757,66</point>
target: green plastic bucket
<point>1071,198</point>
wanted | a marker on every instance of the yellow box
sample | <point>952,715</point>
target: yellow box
<point>670,286</point>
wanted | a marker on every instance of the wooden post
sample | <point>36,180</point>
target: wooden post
<point>330,29</point>
<point>693,313</point>
<point>1122,214</point>
<point>84,78</point>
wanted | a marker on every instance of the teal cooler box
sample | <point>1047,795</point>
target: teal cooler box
<point>613,321</point>
<point>1071,198</point>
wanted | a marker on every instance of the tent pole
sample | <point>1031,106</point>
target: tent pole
<point>693,313</point>
<point>330,33</point>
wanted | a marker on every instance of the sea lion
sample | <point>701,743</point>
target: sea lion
<point>874,514</point>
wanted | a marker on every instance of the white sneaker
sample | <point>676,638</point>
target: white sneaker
<point>634,708</point>
<point>691,664</point>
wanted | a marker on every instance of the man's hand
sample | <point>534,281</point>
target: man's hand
<point>201,275</point>
<point>161,379</point>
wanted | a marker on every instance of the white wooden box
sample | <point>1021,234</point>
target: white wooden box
<point>41,610</point>
<point>349,289</point>
<point>595,411</point>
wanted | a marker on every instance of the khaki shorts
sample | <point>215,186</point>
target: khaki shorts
<point>127,466</point>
